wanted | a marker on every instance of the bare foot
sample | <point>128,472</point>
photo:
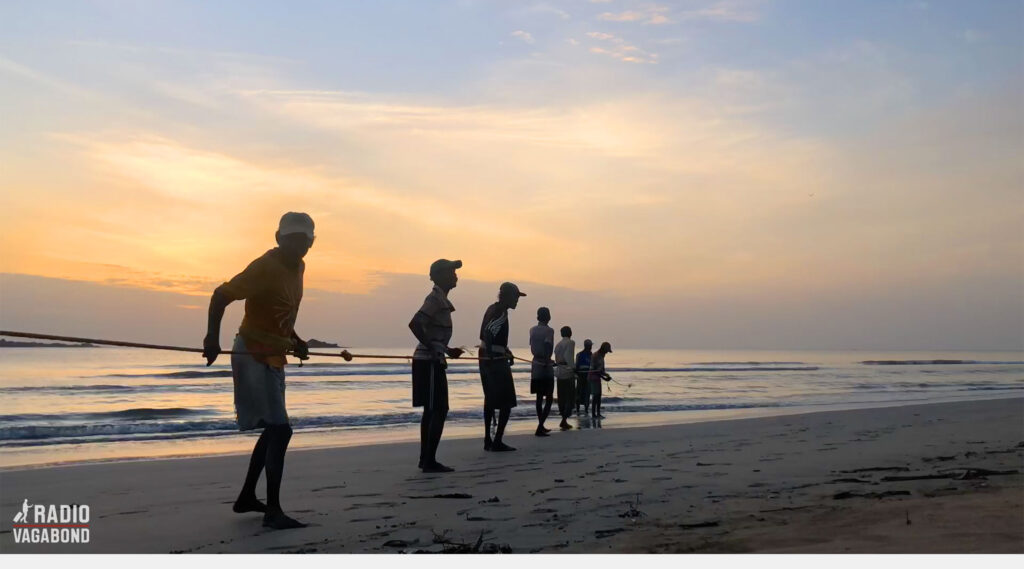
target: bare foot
<point>278,520</point>
<point>437,467</point>
<point>248,504</point>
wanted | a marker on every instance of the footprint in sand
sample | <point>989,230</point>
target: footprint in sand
<point>322,488</point>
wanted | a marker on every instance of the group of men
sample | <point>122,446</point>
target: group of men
<point>272,286</point>
<point>579,379</point>
<point>577,376</point>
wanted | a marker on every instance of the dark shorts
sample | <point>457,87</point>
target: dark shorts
<point>499,388</point>
<point>542,379</point>
<point>429,385</point>
<point>542,386</point>
<point>566,397</point>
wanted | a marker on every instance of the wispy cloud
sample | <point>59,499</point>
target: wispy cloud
<point>971,36</point>
<point>725,11</point>
<point>653,14</point>
<point>23,71</point>
<point>524,36</point>
<point>618,48</point>
<point>544,8</point>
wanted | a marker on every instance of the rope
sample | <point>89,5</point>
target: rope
<point>176,348</point>
<point>197,350</point>
<point>228,352</point>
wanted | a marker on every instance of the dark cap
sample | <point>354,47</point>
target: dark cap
<point>588,342</point>
<point>441,265</point>
<point>606,347</point>
<point>509,288</point>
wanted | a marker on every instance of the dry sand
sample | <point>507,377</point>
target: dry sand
<point>821,482</point>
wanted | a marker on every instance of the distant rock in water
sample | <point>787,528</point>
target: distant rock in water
<point>313,343</point>
<point>9,344</point>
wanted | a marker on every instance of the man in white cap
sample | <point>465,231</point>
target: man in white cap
<point>272,288</point>
<point>432,326</point>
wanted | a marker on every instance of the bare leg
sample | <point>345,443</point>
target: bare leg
<point>247,501</point>
<point>543,410</point>
<point>436,428</point>
<point>548,400</point>
<point>488,421</point>
<point>541,432</point>
<point>277,445</point>
<point>424,436</point>
<point>503,415</point>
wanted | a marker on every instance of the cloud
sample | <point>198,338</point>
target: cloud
<point>970,36</point>
<point>524,36</point>
<point>618,48</point>
<point>547,9</point>
<point>652,14</point>
<point>13,68</point>
<point>725,11</point>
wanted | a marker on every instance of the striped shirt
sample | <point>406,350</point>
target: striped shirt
<point>494,328</point>
<point>438,310</point>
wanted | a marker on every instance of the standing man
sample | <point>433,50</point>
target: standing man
<point>565,374</point>
<point>432,326</point>
<point>582,370</point>
<point>597,374</point>
<point>542,371</point>
<point>272,288</point>
<point>496,366</point>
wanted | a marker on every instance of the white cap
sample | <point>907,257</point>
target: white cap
<point>294,222</point>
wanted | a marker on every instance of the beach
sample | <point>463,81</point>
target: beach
<point>934,478</point>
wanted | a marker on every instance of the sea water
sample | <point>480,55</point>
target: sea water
<point>62,405</point>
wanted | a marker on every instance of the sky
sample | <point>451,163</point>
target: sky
<point>694,174</point>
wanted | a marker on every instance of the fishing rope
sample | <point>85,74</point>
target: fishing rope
<point>344,354</point>
<point>200,350</point>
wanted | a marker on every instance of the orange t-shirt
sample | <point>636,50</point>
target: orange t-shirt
<point>272,292</point>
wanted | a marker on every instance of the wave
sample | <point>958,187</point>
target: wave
<point>934,362</point>
<point>136,414</point>
<point>33,435</point>
<point>104,388</point>
<point>461,370</point>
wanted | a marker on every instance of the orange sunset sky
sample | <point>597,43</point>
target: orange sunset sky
<point>707,174</point>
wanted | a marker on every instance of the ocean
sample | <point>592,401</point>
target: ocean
<point>62,405</point>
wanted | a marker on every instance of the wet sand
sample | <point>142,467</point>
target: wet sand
<point>916,479</point>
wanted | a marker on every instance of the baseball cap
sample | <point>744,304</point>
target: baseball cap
<point>510,289</point>
<point>295,222</point>
<point>441,265</point>
<point>588,342</point>
<point>605,345</point>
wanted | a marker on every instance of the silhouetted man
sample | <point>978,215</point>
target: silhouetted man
<point>582,371</point>
<point>496,366</point>
<point>542,371</point>
<point>272,288</point>
<point>598,374</point>
<point>565,376</point>
<point>432,326</point>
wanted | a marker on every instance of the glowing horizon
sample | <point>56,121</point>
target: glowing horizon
<point>702,150</point>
